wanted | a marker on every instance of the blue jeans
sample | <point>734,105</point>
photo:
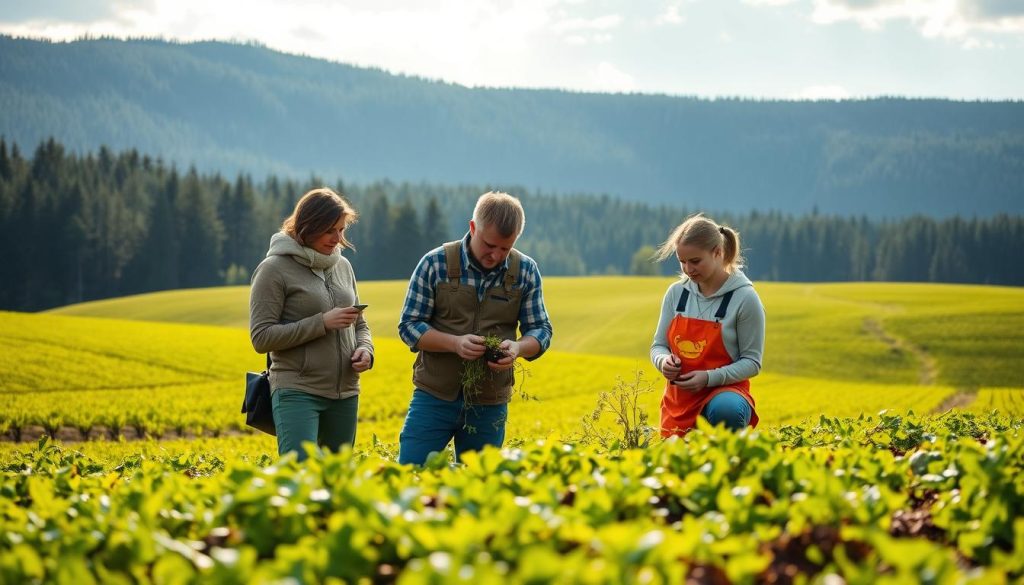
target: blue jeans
<point>729,408</point>
<point>302,417</point>
<point>431,423</point>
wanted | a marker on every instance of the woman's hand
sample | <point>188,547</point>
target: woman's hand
<point>340,318</point>
<point>670,367</point>
<point>361,360</point>
<point>693,381</point>
<point>511,349</point>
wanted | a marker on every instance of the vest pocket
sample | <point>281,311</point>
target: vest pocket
<point>500,317</point>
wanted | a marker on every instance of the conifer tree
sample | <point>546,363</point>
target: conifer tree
<point>435,226</point>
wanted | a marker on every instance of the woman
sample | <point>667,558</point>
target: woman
<point>301,311</point>
<point>710,336</point>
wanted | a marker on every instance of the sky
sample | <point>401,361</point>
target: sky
<point>788,49</point>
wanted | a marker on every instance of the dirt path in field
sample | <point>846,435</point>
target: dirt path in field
<point>928,368</point>
<point>958,400</point>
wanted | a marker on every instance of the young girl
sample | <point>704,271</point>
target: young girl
<point>710,336</point>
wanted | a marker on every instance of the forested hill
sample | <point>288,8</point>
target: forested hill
<point>230,108</point>
<point>109,224</point>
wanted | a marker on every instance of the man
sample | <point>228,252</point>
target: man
<point>458,293</point>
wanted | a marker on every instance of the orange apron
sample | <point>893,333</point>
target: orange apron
<point>699,346</point>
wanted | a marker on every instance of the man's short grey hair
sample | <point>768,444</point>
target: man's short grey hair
<point>501,211</point>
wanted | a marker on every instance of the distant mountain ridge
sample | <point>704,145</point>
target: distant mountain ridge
<point>230,107</point>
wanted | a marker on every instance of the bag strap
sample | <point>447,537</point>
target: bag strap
<point>681,305</point>
<point>720,313</point>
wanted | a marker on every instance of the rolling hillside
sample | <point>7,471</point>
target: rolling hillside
<point>156,363</point>
<point>231,108</point>
<point>895,333</point>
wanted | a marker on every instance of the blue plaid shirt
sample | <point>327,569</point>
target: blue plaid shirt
<point>433,268</point>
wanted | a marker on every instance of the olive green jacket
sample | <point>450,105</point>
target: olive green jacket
<point>291,290</point>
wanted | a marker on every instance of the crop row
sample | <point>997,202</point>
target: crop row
<point>554,407</point>
<point>102,348</point>
<point>76,377</point>
<point>879,499</point>
<point>44,367</point>
<point>1008,400</point>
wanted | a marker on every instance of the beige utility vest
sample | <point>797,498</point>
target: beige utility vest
<point>458,311</point>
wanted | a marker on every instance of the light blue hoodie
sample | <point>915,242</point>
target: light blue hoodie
<point>742,327</point>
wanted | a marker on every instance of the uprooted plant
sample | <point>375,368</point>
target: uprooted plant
<point>476,372</point>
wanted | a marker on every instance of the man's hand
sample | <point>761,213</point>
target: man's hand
<point>511,349</point>
<point>469,346</point>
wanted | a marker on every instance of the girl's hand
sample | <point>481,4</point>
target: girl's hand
<point>693,381</point>
<point>671,367</point>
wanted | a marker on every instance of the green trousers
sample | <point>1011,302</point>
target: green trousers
<point>301,417</point>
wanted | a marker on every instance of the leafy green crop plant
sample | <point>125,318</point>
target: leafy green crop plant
<point>837,505</point>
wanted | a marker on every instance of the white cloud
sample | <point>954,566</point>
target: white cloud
<point>822,92</point>
<point>606,22</point>
<point>769,2</point>
<point>475,43</point>
<point>579,44</point>
<point>472,42</point>
<point>583,31</point>
<point>993,10</point>
<point>608,77</point>
<point>958,20</point>
<point>670,16</point>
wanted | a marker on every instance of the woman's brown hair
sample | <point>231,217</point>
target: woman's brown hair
<point>317,212</point>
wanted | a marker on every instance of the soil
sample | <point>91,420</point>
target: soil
<point>493,355</point>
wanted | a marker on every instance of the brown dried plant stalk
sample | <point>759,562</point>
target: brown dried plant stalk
<point>623,402</point>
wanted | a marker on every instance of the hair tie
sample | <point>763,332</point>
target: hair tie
<point>721,230</point>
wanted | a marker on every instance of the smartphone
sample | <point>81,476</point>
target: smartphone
<point>360,307</point>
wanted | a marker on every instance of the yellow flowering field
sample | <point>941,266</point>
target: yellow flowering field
<point>862,332</point>
<point>1004,400</point>
<point>835,349</point>
<point>202,394</point>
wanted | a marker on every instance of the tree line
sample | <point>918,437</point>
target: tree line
<point>104,224</point>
